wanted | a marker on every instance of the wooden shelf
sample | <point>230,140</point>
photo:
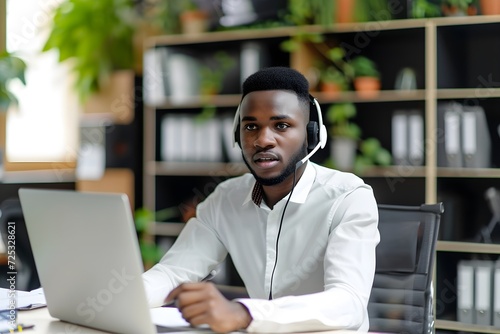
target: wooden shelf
<point>227,100</point>
<point>468,172</point>
<point>395,171</point>
<point>39,176</point>
<point>468,93</point>
<point>355,27</point>
<point>195,168</point>
<point>459,326</point>
<point>232,100</point>
<point>467,247</point>
<point>382,96</point>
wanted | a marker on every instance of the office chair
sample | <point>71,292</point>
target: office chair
<point>401,298</point>
<point>27,275</point>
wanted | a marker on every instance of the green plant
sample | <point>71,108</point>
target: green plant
<point>212,75</point>
<point>339,117</point>
<point>364,67</point>
<point>371,153</point>
<point>143,217</point>
<point>334,75</point>
<point>96,37</point>
<point>424,8</point>
<point>460,4</point>
<point>11,68</point>
<point>167,12</point>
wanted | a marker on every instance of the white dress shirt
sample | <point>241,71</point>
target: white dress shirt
<point>326,251</point>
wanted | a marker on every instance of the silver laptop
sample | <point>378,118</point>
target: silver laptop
<point>87,256</point>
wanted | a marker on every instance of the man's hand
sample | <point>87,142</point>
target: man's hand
<point>202,303</point>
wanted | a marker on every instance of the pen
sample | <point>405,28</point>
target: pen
<point>207,278</point>
<point>18,328</point>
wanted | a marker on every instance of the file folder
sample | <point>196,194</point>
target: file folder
<point>154,86</point>
<point>465,292</point>
<point>449,135</point>
<point>399,137</point>
<point>415,138</point>
<point>496,295</point>
<point>483,292</point>
<point>476,141</point>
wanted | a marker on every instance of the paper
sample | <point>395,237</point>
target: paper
<point>23,299</point>
<point>168,317</point>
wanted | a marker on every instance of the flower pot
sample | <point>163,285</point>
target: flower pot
<point>367,87</point>
<point>344,11</point>
<point>490,7</point>
<point>194,22</point>
<point>343,153</point>
<point>331,89</point>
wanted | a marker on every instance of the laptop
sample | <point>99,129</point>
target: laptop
<point>87,255</point>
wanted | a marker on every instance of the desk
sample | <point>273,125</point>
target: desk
<point>45,324</point>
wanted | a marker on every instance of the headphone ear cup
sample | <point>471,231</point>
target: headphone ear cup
<point>237,135</point>
<point>312,135</point>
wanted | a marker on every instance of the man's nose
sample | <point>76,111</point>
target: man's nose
<point>265,138</point>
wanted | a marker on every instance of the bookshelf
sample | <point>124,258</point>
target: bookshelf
<point>452,58</point>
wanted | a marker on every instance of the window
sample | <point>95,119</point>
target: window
<point>44,127</point>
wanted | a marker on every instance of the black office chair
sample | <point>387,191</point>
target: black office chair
<point>401,298</point>
<point>27,275</point>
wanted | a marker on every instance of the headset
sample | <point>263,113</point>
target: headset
<point>316,132</point>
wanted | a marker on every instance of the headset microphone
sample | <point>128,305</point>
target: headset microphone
<point>316,134</point>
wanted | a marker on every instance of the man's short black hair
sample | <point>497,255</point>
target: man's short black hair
<point>278,78</point>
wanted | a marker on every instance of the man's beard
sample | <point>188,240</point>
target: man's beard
<point>289,169</point>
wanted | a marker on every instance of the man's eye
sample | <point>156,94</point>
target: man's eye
<point>282,126</point>
<point>250,127</point>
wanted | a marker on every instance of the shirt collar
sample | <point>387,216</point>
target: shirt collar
<point>300,191</point>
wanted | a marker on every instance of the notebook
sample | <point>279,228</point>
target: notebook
<point>87,255</point>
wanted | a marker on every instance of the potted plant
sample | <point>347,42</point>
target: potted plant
<point>366,77</point>
<point>333,81</point>
<point>458,7</point>
<point>12,68</point>
<point>96,39</point>
<point>193,20</point>
<point>345,134</point>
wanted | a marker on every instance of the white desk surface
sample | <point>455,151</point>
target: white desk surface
<point>45,324</point>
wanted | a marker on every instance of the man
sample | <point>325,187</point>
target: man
<point>301,236</point>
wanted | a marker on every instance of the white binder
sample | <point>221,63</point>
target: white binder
<point>449,135</point>
<point>476,141</point>
<point>399,137</point>
<point>415,138</point>
<point>154,76</point>
<point>465,292</point>
<point>483,292</point>
<point>452,141</point>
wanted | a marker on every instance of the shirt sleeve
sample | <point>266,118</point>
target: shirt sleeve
<point>194,254</point>
<point>349,270</point>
